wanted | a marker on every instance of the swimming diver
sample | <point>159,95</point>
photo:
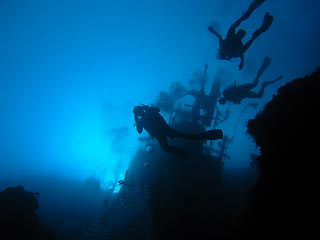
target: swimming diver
<point>232,46</point>
<point>236,94</point>
<point>150,119</point>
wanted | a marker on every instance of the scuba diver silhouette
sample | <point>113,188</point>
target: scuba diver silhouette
<point>150,119</point>
<point>236,94</point>
<point>232,46</point>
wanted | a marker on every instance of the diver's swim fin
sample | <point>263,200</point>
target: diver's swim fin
<point>257,3</point>
<point>267,21</point>
<point>265,64</point>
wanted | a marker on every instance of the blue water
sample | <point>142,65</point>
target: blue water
<point>72,70</point>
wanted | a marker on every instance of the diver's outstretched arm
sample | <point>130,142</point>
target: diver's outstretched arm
<point>218,35</point>
<point>138,124</point>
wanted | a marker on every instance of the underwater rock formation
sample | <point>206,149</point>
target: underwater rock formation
<point>286,133</point>
<point>176,198</point>
<point>18,219</point>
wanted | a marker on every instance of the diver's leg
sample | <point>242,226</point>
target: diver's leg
<point>253,6</point>
<point>172,133</point>
<point>261,92</point>
<point>175,134</point>
<point>245,87</point>
<point>264,84</point>
<point>166,147</point>
<point>258,2</point>
<point>163,141</point>
<point>256,95</point>
<point>267,21</point>
<point>207,135</point>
